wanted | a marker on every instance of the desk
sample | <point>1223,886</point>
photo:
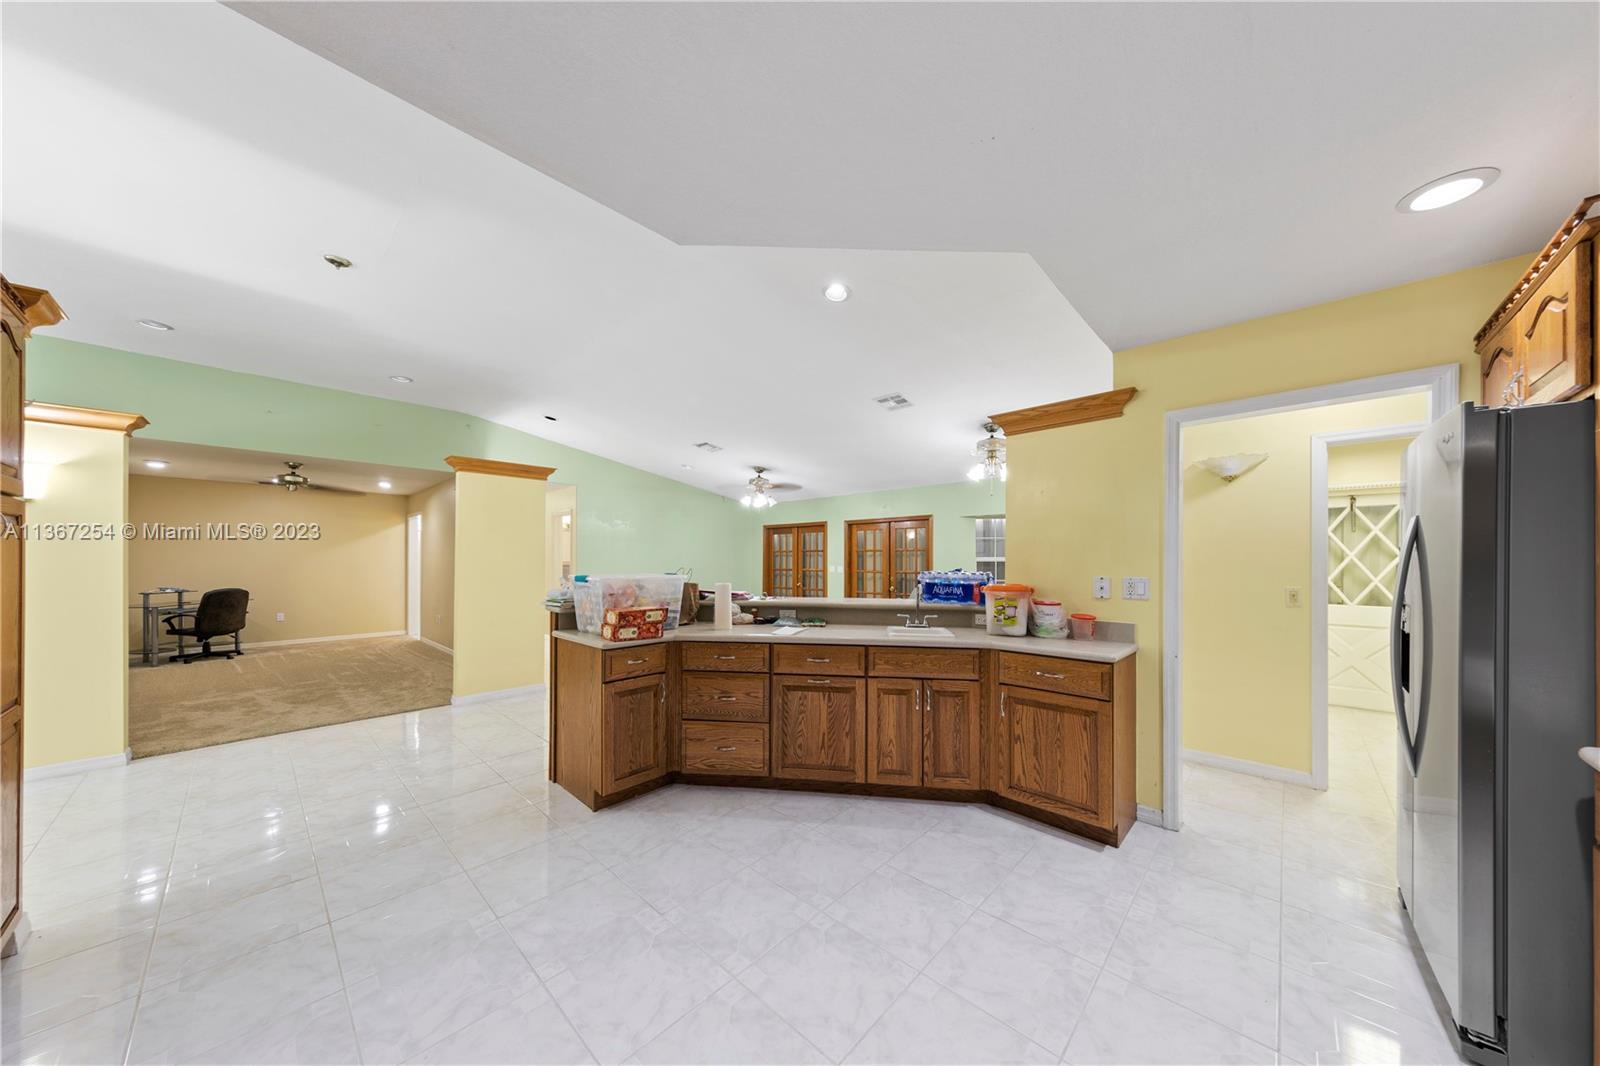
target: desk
<point>151,613</point>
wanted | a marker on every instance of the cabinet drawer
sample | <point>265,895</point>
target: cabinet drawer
<point>960,664</point>
<point>725,697</point>
<point>635,662</point>
<point>1056,675</point>
<point>724,748</point>
<point>706,655</point>
<point>825,660</point>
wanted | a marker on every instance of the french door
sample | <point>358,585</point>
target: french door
<point>795,560</point>
<point>884,556</point>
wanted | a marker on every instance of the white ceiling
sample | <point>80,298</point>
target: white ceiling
<point>200,462</point>
<point>1172,167</point>
<point>182,163</point>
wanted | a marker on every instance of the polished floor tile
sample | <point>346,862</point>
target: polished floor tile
<point>414,889</point>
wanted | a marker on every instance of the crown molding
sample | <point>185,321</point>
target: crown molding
<point>1094,408</point>
<point>83,417</point>
<point>464,464</point>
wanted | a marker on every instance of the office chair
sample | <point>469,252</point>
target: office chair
<point>220,613</point>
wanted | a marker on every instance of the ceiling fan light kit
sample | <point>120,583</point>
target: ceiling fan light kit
<point>294,481</point>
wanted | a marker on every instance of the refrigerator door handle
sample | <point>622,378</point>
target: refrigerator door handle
<point>1413,547</point>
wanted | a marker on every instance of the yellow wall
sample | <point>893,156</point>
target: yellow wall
<point>1246,653</point>
<point>500,620</point>
<point>1368,462</point>
<point>437,506</point>
<point>75,666</point>
<point>351,580</point>
<point>1087,500</point>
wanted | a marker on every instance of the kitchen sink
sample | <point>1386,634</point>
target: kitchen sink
<point>918,631</point>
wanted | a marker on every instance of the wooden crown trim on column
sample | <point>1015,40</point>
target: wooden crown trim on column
<point>464,464</point>
<point>84,417</point>
<point>1095,408</point>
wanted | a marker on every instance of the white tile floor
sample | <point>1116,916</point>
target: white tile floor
<point>412,889</point>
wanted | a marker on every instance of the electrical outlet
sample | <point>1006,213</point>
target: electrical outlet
<point>1291,597</point>
<point>1102,588</point>
<point>280,616</point>
<point>1136,588</point>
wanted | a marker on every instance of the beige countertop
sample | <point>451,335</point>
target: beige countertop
<point>907,604</point>
<point>1099,651</point>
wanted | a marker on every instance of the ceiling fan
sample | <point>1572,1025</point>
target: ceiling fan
<point>761,489</point>
<point>294,481</point>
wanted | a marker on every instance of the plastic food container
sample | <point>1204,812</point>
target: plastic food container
<point>1049,619</point>
<point>1083,626</point>
<point>1006,609</point>
<point>593,596</point>
<point>953,586</point>
<point>633,623</point>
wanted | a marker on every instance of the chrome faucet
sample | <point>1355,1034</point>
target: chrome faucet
<point>917,620</point>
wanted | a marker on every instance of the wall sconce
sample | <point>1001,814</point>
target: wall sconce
<point>1228,467</point>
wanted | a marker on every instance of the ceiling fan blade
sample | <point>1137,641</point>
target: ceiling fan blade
<point>785,486</point>
<point>271,481</point>
<point>325,488</point>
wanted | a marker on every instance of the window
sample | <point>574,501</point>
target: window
<point>991,546</point>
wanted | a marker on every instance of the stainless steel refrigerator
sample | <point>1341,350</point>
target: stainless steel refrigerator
<point>1493,655</point>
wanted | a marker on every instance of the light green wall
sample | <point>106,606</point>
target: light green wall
<point>953,507</point>
<point>628,520</point>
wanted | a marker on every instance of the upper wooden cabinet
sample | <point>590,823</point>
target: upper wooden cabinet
<point>1538,346</point>
<point>819,728</point>
<point>795,560</point>
<point>883,556</point>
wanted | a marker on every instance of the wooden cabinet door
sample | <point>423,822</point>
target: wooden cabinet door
<point>951,713</point>
<point>894,731</point>
<point>1054,747</point>
<point>634,736</point>
<point>1553,332</point>
<point>10,412</point>
<point>1499,355</point>
<point>10,816</point>
<point>819,728</point>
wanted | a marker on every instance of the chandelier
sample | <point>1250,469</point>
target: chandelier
<point>991,453</point>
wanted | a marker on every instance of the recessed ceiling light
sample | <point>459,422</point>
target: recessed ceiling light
<point>837,291</point>
<point>338,262</point>
<point>400,379</point>
<point>1450,189</point>
<point>151,323</point>
<point>385,485</point>
<point>156,464</point>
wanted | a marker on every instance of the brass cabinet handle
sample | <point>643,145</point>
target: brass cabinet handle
<point>726,699</point>
<point>726,747</point>
<point>1053,677</point>
<point>811,660</point>
<point>725,658</point>
<point>636,662</point>
<point>820,681</point>
<point>1002,705</point>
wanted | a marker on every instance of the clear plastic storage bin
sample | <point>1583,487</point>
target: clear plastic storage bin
<point>592,597</point>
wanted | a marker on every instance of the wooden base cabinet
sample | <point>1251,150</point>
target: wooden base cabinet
<point>1053,747</point>
<point>924,733</point>
<point>635,730</point>
<point>819,728</point>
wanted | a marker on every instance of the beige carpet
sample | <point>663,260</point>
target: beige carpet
<point>178,706</point>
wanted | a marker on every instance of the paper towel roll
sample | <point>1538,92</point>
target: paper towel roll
<point>722,608</point>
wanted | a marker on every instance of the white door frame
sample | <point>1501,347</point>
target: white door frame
<point>414,575</point>
<point>1319,579</point>
<point>1441,383</point>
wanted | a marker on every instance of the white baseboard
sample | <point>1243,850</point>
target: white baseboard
<point>435,644</point>
<point>252,645</point>
<point>498,694</point>
<point>76,766</point>
<point>1150,815</point>
<point>1245,766</point>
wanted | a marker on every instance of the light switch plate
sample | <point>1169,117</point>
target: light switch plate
<point>1102,588</point>
<point>280,616</point>
<point>1136,588</point>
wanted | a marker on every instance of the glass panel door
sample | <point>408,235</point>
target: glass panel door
<point>868,558</point>
<point>911,554</point>
<point>780,561</point>
<point>813,560</point>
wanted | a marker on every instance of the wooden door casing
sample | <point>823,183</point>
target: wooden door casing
<point>1554,348</point>
<point>634,732</point>
<point>819,728</point>
<point>952,714</point>
<point>1054,747</point>
<point>883,556</point>
<point>795,559</point>
<point>894,731</point>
